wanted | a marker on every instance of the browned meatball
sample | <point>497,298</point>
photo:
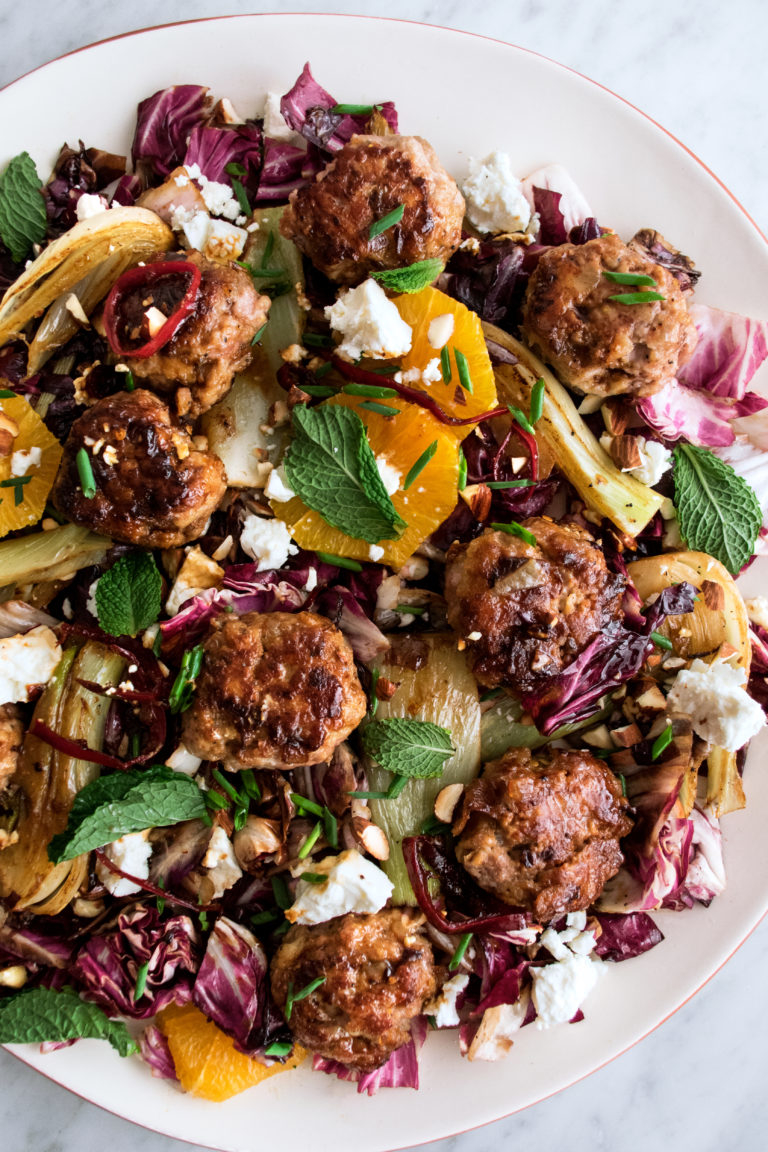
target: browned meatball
<point>152,487</point>
<point>198,364</point>
<point>330,219</point>
<point>525,612</point>
<point>542,832</point>
<point>378,972</point>
<point>596,344</point>
<point>276,690</point>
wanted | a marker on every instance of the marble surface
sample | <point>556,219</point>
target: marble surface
<point>698,67</point>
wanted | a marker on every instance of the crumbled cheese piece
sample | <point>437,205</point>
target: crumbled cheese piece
<point>354,884</point>
<point>218,198</point>
<point>560,989</point>
<point>25,459</point>
<point>432,372</point>
<point>266,541</point>
<point>443,1007</point>
<point>390,477</point>
<point>498,1026</point>
<point>494,195</point>
<point>90,604</point>
<point>88,206</point>
<point>656,460</point>
<point>182,760</point>
<point>757,608</point>
<point>130,853</point>
<point>475,636</point>
<point>311,582</point>
<point>369,323</point>
<point>224,241</point>
<point>27,661</point>
<point>223,869</point>
<point>440,330</point>
<point>716,699</point>
<point>197,573</point>
<point>375,552</point>
<point>277,486</point>
<point>275,124</point>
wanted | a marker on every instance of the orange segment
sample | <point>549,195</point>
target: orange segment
<point>431,498</point>
<point>207,1062</point>
<point>419,309</point>
<point>31,434</point>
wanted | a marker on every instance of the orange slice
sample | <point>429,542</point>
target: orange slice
<point>207,1062</point>
<point>400,440</point>
<point>20,421</point>
<point>419,309</point>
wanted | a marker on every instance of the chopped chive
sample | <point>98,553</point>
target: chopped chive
<point>85,472</point>
<point>396,787</point>
<point>417,468</point>
<point>141,981</point>
<point>382,369</point>
<point>373,391</point>
<point>214,800</point>
<point>279,1048</point>
<point>316,340</point>
<point>322,391</point>
<point>294,997</point>
<point>380,409</point>
<point>310,842</point>
<point>265,917</point>
<point>515,529</point>
<point>445,364</point>
<point>268,250</point>
<point>411,609</point>
<point>521,419</point>
<point>636,297</point>
<point>323,370</point>
<point>263,273</point>
<point>373,700</point>
<point>502,484</point>
<point>630,278</point>
<point>130,383</point>
<point>157,643</point>
<point>462,366</point>
<point>250,784</point>
<point>280,891</point>
<point>623,782</point>
<point>386,222</point>
<point>432,826</point>
<point>662,741</point>
<point>235,169</point>
<point>258,335</point>
<point>17,483</point>
<point>305,805</point>
<point>203,917</point>
<point>7,394</point>
<point>661,641</point>
<point>161,899</point>
<point>313,877</point>
<point>134,745</point>
<point>183,688</point>
<point>241,196</point>
<point>225,784</point>
<point>368,795</point>
<point>339,561</point>
<point>240,817</point>
<point>353,109</point>
<point>537,400</point>
<point>462,481</point>
<point>331,828</point>
<point>278,289</point>
<point>461,949</point>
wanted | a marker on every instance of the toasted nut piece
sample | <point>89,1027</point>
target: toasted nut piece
<point>625,452</point>
<point>628,735</point>
<point>6,442</point>
<point>616,414</point>
<point>599,737</point>
<point>714,595</point>
<point>8,425</point>
<point>477,497</point>
<point>385,689</point>
<point>446,801</point>
<point>258,837</point>
<point>372,839</point>
<point>652,699</point>
<point>13,977</point>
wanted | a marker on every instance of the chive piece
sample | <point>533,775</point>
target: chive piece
<point>515,529</point>
<point>17,483</point>
<point>462,481</point>
<point>214,800</point>
<point>386,222</point>
<point>417,468</point>
<point>7,394</point>
<point>280,891</point>
<point>85,472</point>
<point>636,297</point>
<point>268,250</point>
<point>235,169</point>
<point>134,746</point>
<point>380,409</point>
<point>157,643</point>
<point>372,391</point>
<point>278,1048</point>
<point>661,641</point>
<point>537,400</point>
<point>316,340</point>
<point>294,997</point>
<point>373,700</point>
<point>250,784</point>
<point>331,828</point>
<point>382,369</point>
<point>203,917</point>
<point>445,364</point>
<point>630,278</point>
<point>461,948</point>
<point>353,109</point>
<point>623,782</point>
<point>258,335</point>
<point>313,877</point>
<point>432,826</point>
<point>368,795</point>
<point>322,391</point>
<point>662,741</point>
<point>240,817</point>
<point>521,419</point>
<point>183,688</point>
<point>161,899</point>
<point>305,805</point>
<point>225,784</point>
<point>411,609</point>
<point>502,484</point>
<point>339,561</point>
<point>262,273</point>
<point>130,383</point>
<point>268,916</point>
<point>323,370</point>
<point>310,842</point>
<point>241,196</point>
<point>396,787</point>
<point>141,981</point>
<point>206,819</point>
<point>462,365</point>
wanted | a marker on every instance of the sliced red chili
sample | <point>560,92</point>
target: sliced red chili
<point>170,286</point>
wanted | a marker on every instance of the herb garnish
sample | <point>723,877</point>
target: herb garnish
<point>372,391</point>
<point>184,685</point>
<point>413,278</point>
<point>85,472</point>
<point>37,1015</point>
<point>386,222</point>
<point>521,418</point>
<point>461,949</point>
<point>17,483</point>
<point>23,219</point>
<point>294,997</point>
<point>629,278</point>
<point>445,364</point>
<point>353,109</point>
<point>462,481</point>
<point>380,409</point>
<point>233,171</point>
<point>129,595</point>
<point>141,981</point>
<point>636,297</point>
<point>515,529</point>
<point>310,842</point>
<point>339,561</point>
<point>718,511</point>
<point>462,366</point>
<point>661,641</point>
<point>537,400</point>
<point>416,748</point>
<point>662,741</point>
<point>502,484</point>
<point>279,1048</point>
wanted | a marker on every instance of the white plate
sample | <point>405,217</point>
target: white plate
<point>466,95</point>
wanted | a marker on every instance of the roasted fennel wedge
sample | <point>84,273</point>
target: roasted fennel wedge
<point>54,555</point>
<point>434,683</point>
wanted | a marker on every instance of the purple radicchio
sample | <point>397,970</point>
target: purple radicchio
<point>156,1052</point>
<point>622,937</point>
<point>747,454</point>
<point>212,149</point>
<point>308,109</point>
<point>554,194</point>
<point>400,1071</point>
<point>231,985</point>
<point>164,123</point>
<point>758,669</point>
<point>33,947</point>
<point>705,876</point>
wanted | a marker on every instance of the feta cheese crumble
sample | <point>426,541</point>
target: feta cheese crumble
<point>655,459</point>
<point>277,486</point>
<point>390,477</point>
<point>27,661</point>
<point>275,124</point>
<point>369,323</point>
<point>353,884</point>
<point>223,869</point>
<point>559,989</point>
<point>131,853</point>
<point>268,542</point>
<point>219,198</point>
<point>89,206</point>
<point>716,699</point>
<point>25,459</point>
<point>182,760</point>
<point>443,1006</point>
<point>440,331</point>
<point>375,552</point>
<point>494,195</point>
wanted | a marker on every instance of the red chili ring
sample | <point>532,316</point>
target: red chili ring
<point>144,276</point>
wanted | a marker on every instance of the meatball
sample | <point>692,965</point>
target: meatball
<point>526,611</point>
<point>330,219</point>
<point>598,345</point>
<point>214,342</point>
<point>378,972</point>
<point>542,832</point>
<point>276,690</point>
<point>152,487</point>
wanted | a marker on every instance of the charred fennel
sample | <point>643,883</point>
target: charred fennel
<point>53,555</point>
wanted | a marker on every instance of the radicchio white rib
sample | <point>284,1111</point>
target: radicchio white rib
<point>231,985</point>
<point>156,1052</point>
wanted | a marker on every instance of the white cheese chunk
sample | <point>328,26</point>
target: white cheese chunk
<point>494,195</point>
<point>390,477</point>
<point>275,124</point>
<point>223,868</point>
<point>655,459</point>
<point>369,323</point>
<point>25,459</point>
<point>757,609</point>
<point>560,989</point>
<point>440,330</point>
<point>268,542</point>
<point>219,198</point>
<point>197,573</point>
<point>131,853</point>
<point>88,206</point>
<point>184,761</point>
<point>716,699</point>
<point>375,552</point>
<point>354,884</point>
<point>443,1007</point>
<point>225,241</point>
<point>27,661</point>
<point>277,486</point>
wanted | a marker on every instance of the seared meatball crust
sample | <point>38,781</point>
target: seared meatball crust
<point>542,832</point>
<point>276,690</point>
<point>598,345</point>
<point>153,488</point>
<point>199,362</point>
<point>330,219</point>
<point>527,611</point>
<point>378,972</point>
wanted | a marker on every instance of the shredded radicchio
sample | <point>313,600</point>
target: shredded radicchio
<point>231,985</point>
<point>624,936</point>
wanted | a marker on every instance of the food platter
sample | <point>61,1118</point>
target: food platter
<point>441,87</point>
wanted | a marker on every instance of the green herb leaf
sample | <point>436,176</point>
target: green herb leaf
<point>515,529</point>
<point>636,297</point>
<point>129,596</point>
<point>37,1015</point>
<point>371,391</point>
<point>408,747</point>
<point>85,473</point>
<point>23,219</point>
<point>279,1048</point>
<point>386,222</point>
<point>521,418</point>
<point>113,806</point>
<point>629,278</point>
<point>537,399</point>
<point>718,511</point>
<point>294,997</point>
<point>141,981</point>
<point>462,366</point>
<point>310,842</point>
<point>502,484</point>
<point>445,364</point>
<point>331,467</point>
<point>411,279</point>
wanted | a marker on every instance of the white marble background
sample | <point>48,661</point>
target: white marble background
<point>699,68</point>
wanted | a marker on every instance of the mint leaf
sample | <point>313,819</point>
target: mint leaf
<point>408,747</point>
<point>330,465</point>
<point>112,806</point>
<point>23,219</point>
<point>129,595</point>
<point>410,279</point>
<point>718,511</point>
<point>40,1014</point>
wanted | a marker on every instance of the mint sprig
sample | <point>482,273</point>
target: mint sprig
<point>411,279</point>
<point>718,511</point>
<point>331,467</point>
<point>415,748</point>
<point>113,806</point>
<point>23,219</point>
<point>37,1015</point>
<point>129,595</point>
